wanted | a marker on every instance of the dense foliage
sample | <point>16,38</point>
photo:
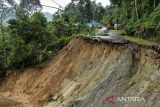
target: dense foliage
<point>28,38</point>
<point>85,10</point>
<point>139,17</point>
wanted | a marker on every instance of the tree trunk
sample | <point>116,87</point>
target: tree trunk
<point>154,4</point>
<point>136,8</point>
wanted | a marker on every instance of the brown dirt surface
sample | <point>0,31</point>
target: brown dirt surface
<point>74,72</point>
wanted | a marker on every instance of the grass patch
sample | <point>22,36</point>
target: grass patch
<point>119,32</point>
<point>139,40</point>
<point>135,39</point>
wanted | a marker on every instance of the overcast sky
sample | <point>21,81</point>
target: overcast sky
<point>64,3</point>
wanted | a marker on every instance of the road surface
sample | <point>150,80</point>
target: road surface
<point>111,36</point>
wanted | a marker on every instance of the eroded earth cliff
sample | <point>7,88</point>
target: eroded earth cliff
<point>84,74</point>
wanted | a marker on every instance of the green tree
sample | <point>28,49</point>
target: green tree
<point>5,12</point>
<point>30,38</point>
<point>137,16</point>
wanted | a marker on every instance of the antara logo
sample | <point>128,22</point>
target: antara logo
<point>112,99</point>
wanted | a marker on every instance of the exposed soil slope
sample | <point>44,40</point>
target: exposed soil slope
<point>84,73</point>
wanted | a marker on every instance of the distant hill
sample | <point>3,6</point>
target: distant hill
<point>48,15</point>
<point>9,18</point>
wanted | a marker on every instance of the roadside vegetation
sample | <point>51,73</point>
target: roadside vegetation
<point>139,41</point>
<point>135,39</point>
<point>137,18</point>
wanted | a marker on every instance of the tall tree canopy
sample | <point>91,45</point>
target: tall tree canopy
<point>135,15</point>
